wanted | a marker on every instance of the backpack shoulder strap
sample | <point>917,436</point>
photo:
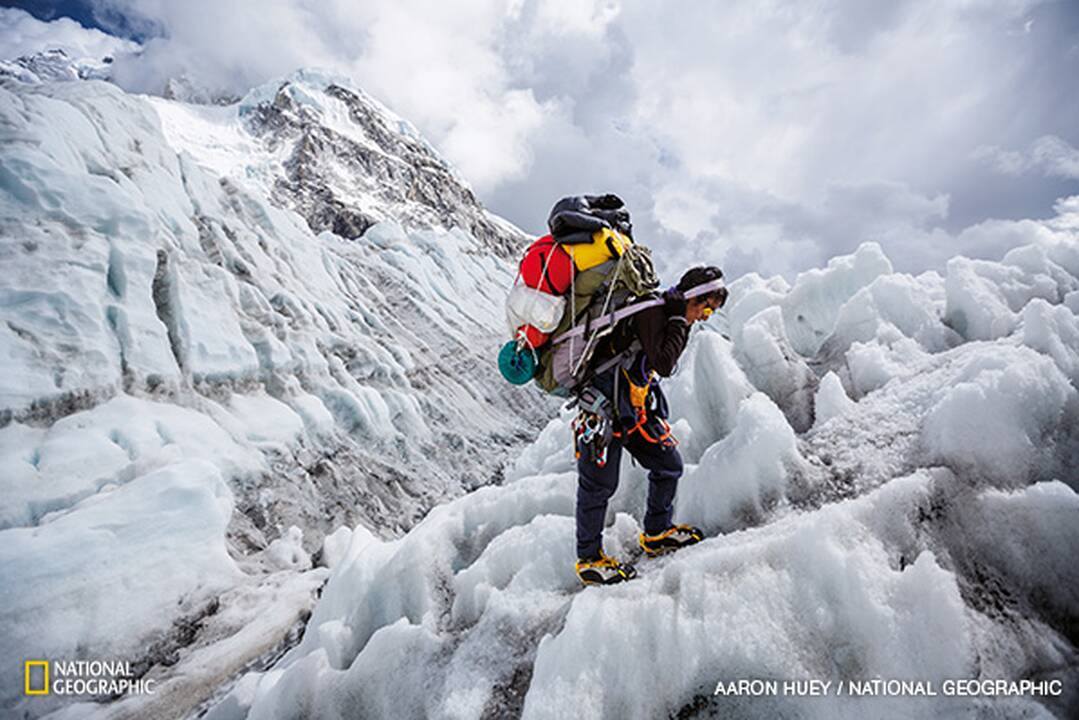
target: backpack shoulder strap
<point>610,318</point>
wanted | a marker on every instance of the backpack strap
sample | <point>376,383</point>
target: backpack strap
<point>629,310</point>
<point>618,359</point>
<point>585,383</point>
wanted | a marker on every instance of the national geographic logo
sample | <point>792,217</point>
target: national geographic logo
<point>37,677</point>
<point>84,677</point>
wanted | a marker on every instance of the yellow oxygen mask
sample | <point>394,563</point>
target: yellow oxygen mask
<point>707,312</point>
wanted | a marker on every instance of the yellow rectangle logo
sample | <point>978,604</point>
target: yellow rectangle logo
<point>44,689</point>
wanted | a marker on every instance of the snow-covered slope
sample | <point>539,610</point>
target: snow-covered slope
<point>34,51</point>
<point>52,65</point>
<point>921,525</point>
<point>189,367</point>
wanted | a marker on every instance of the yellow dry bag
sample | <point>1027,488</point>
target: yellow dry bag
<point>606,244</point>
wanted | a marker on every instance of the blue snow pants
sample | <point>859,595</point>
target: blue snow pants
<point>596,485</point>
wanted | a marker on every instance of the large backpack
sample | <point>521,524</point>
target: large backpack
<point>601,296</point>
<point>570,287</point>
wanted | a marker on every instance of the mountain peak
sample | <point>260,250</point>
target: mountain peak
<point>348,162</point>
<point>54,65</point>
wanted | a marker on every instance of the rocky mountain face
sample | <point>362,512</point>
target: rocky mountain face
<point>370,166</point>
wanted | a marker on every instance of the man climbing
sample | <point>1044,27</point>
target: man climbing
<point>624,408</point>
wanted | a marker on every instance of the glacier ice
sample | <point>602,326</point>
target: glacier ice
<point>1000,415</point>
<point>869,587</point>
<point>831,399</point>
<point>189,370</point>
<point>742,473</point>
<point>921,526</point>
<point>108,571</point>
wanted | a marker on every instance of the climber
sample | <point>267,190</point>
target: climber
<point>624,408</point>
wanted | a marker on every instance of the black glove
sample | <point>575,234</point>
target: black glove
<point>674,302</point>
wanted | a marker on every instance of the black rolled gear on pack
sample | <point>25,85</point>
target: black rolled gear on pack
<point>573,219</point>
<point>610,201</point>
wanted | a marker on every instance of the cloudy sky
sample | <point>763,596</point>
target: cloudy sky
<point>761,135</point>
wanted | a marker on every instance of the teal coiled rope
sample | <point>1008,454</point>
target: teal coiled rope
<point>517,364</point>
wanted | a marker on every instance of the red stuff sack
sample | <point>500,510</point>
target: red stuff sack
<point>547,267</point>
<point>533,335</point>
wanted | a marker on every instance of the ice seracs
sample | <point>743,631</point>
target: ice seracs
<point>921,528</point>
<point>831,399</point>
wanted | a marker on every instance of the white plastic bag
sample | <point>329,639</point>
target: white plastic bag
<point>528,306</point>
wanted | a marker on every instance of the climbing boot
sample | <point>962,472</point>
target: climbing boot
<point>670,539</point>
<point>604,570</point>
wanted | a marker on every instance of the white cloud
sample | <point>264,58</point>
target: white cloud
<point>447,67</point>
<point>1049,154</point>
<point>1056,156</point>
<point>742,132</point>
<point>771,138</point>
<point>1007,162</point>
<point>23,34</point>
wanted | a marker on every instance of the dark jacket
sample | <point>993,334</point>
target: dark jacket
<point>662,337</point>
